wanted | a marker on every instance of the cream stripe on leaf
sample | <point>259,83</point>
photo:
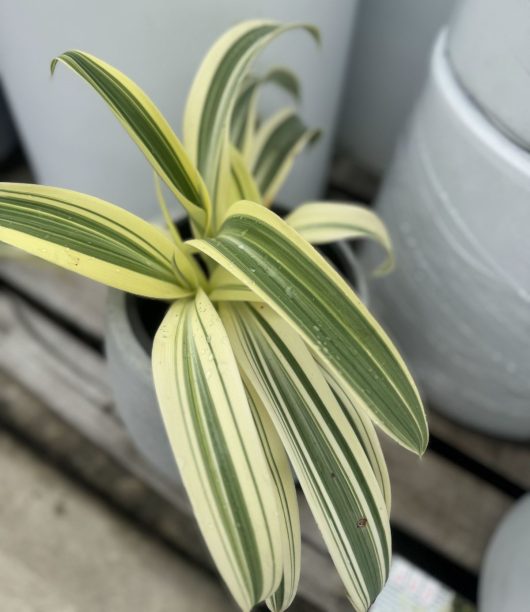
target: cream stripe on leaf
<point>324,222</point>
<point>242,183</point>
<point>277,264</point>
<point>279,140</point>
<point>214,92</point>
<point>91,237</point>
<point>288,516</point>
<point>333,470</point>
<point>217,448</point>
<point>366,434</point>
<point>147,127</point>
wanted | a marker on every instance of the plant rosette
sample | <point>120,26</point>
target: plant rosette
<point>265,358</point>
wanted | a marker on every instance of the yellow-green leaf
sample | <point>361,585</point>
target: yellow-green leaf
<point>218,449</point>
<point>147,127</point>
<point>277,264</point>
<point>91,237</point>
<point>279,140</point>
<point>324,222</point>
<point>334,472</point>
<point>213,95</point>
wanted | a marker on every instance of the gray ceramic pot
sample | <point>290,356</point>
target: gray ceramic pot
<point>504,584</point>
<point>127,344</point>
<point>489,51</point>
<point>456,200</point>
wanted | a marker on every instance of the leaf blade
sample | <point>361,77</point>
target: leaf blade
<point>335,475</point>
<point>90,237</point>
<point>146,125</point>
<point>218,451</point>
<point>324,222</point>
<point>277,264</point>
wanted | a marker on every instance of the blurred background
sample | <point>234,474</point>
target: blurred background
<point>423,107</point>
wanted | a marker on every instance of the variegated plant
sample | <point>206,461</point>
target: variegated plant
<point>267,360</point>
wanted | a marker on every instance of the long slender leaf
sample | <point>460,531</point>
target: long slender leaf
<point>288,517</point>
<point>277,264</point>
<point>147,127</point>
<point>366,434</point>
<point>214,92</point>
<point>245,116</point>
<point>225,287</point>
<point>279,140</point>
<point>242,185</point>
<point>91,237</point>
<point>334,472</point>
<point>218,449</point>
<point>323,222</point>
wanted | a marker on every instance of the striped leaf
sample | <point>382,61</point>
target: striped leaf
<point>184,260</point>
<point>365,433</point>
<point>91,237</point>
<point>288,517</point>
<point>214,92</point>
<point>242,184</point>
<point>218,449</point>
<point>338,482</point>
<point>279,140</point>
<point>244,115</point>
<point>147,127</point>
<point>277,264</point>
<point>324,222</point>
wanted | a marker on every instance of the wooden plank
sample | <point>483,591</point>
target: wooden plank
<point>446,507</point>
<point>62,549</point>
<point>83,301</point>
<point>433,499</point>
<point>66,377</point>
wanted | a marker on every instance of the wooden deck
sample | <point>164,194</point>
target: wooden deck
<point>54,395</point>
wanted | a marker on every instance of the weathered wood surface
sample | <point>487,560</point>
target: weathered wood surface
<point>446,507</point>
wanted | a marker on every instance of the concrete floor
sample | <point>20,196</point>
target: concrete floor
<point>63,550</point>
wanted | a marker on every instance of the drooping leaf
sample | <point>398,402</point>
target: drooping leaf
<point>213,95</point>
<point>217,448</point>
<point>91,237</point>
<point>277,264</point>
<point>245,116</point>
<point>279,140</point>
<point>338,481</point>
<point>288,517</point>
<point>324,222</point>
<point>147,127</point>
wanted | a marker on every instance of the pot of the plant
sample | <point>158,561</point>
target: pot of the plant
<point>505,569</point>
<point>456,198</point>
<point>131,323</point>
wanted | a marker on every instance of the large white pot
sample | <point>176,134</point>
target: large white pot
<point>71,138</point>
<point>127,347</point>
<point>457,202</point>
<point>504,584</point>
<point>489,50</point>
<point>387,68</point>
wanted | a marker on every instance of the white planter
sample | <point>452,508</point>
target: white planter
<point>129,366</point>
<point>71,138</point>
<point>504,584</point>
<point>489,50</point>
<point>387,68</point>
<point>456,200</point>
